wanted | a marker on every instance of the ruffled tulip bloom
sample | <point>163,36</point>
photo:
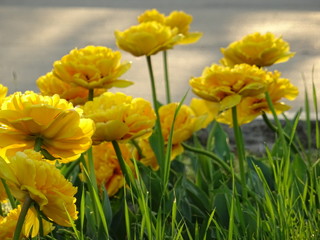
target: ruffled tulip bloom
<point>28,176</point>
<point>50,85</point>
<point>252,107</point>
<point>30,118</point>
<point>182,21</point>
<point>152,15</point>
<point>147,38</point>
<point>228,86</point>
<point>176,19</point>
<point>106,165</point>
<point>8,224</point>
<point>30,227</point>
<point>257,49</point>
<point>119,117</point>
<point>186,123</point>
<point>92,67</point>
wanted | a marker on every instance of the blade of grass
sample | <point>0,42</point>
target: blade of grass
<point>315,104</point>
<point>127,216</point>
<point>98,206</point>
<point>82,211</point>
<point>308,114</point>
<point>166,168</point>
<point>76,234</point>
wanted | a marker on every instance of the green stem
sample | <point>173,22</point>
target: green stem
<point>214,157</point>
<point>41,232</point>
<point>153,86</point>
<point>166,76</point>
<point>1,212</point>
<point>91,94</point>
<point>240,149</point>
<point>274,114</point>
<point>91,169</point>
<point>8,192</point>
<point>136,145</point>
<point>38,144</point>
<point>24,210</point>
<point>90,185</point>
<point>160,140</point>
<point>67,169</point>
<point>122,163</point>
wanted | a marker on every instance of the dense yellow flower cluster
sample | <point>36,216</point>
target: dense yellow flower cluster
<point>34,126</point>
<point>241,81</point>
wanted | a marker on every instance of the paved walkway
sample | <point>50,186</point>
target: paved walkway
<point>35,33</point>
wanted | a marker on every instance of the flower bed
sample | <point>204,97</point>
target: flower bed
<point>80,162</point>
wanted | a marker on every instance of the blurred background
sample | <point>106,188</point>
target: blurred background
<point>35,33</point>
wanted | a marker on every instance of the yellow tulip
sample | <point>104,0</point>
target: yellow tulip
<point>147,38</point>
<point>92,67</point>
<point>251,107</point>
<point>228,86</point>
<point>186,123</point>
<point>29,117</point>
<point>43,183</point>
<point>257,49</point>
<point>176,19</point>
<point>182,21</point>
<point>119,117</point>
<point>30,227</point>
<point>107,169</point>
<point>50,85</point>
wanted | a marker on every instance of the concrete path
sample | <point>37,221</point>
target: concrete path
<point>35,33</point>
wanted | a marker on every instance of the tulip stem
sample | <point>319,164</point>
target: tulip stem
<point>24,210</point>
<point>153,86</point>
<point>91,94</point>
<point>8,192</point>
<point>166,76</point>
<point>240,149</point>
<point>212,156</point>
<point>91,169</point>
<point>123,166</point>
<point>38,144</point>
<point>157,131</point>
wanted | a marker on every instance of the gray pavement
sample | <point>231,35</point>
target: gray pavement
<point>35,33</point>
